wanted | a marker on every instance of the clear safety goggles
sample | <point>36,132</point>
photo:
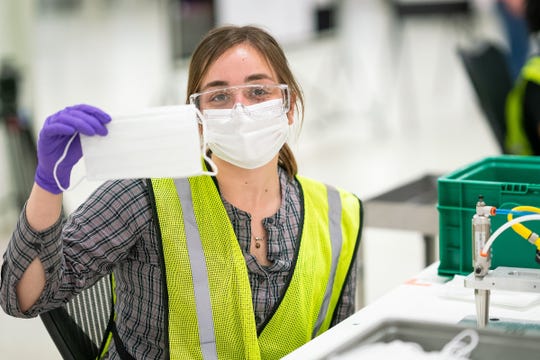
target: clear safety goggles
<point>227,98</point>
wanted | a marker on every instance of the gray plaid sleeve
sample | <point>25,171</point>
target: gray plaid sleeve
<point>25,245</point>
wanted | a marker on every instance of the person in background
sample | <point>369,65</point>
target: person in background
<point>248,264</point>
<point>511,13</point>
<point>523,102</point>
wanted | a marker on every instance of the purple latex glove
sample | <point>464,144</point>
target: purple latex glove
<point>55,135</point>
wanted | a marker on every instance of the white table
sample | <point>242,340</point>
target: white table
<point>425,297</point>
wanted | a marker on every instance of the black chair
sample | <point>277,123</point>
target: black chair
<point>488,70</point>
<point>81,327</point>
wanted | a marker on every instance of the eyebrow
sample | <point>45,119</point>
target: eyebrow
<point>248,79</point>
<point>255,77</point>
<point>214,84</point>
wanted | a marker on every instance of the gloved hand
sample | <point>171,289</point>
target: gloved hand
<point>57,131</point>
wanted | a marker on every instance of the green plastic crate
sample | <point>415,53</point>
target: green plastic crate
<point>505,182</point>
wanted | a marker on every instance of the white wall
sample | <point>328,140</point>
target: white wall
<point>15,45</point>
<point>15,29</point>
<point>289,21</point>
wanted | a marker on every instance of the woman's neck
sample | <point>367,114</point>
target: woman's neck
<point>254,190</point>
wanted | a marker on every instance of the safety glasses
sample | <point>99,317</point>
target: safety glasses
<point>251,94</point>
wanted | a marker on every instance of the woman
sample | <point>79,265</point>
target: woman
<point>249,264</point>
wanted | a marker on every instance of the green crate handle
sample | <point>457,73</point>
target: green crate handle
<point>514,188</point>
<point>510,188</point>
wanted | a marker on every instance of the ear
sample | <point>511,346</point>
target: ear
<point>290,113</point>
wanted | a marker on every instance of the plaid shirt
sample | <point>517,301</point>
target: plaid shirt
<point>114,229</point>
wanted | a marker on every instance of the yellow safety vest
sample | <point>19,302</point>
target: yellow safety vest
<point>516,141</point>
<point>210,310</point>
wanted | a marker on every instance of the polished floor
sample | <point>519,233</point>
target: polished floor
<point>387,101</point>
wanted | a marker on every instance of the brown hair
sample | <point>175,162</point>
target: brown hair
<point>221,39</point>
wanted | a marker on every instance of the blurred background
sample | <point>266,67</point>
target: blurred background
<point>387,100</point>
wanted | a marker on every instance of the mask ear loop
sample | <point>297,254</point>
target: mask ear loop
<point>204,150</point>
<point>62,157</point>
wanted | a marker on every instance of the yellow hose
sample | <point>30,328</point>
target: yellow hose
<point>519,228</point>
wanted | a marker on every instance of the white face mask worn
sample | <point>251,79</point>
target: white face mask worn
<point>155,143</point>
<point>247,136</point>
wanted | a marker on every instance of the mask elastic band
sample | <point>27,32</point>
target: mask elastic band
<point>64,154</point>
<point>213,166</point>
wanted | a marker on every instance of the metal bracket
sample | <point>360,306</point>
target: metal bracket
<point>506,278</point>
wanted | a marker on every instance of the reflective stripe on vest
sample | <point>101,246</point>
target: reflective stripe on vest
<point>225,328</point>
<point>334,214</point>
<point>516,141</point>
<point>198,272</point>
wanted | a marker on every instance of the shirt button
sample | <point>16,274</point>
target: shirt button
<point>257,319</point>
<point>270,221</point>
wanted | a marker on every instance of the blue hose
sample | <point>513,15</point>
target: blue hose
<point>513,212</point>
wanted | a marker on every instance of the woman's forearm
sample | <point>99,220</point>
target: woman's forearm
<point>43,208</point>
<point>42,211</point>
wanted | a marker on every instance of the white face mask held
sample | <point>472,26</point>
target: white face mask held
<point>247,136</point>
<point>155,143</point>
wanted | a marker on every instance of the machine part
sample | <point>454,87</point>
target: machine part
<point>481,299</point>
<point>482,279</point>
<point>506,278</point>
<point>481,231</point>
<point>502,278</point>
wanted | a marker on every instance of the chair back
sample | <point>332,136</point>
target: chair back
<point>81,327</point>
<point>489,73</point>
